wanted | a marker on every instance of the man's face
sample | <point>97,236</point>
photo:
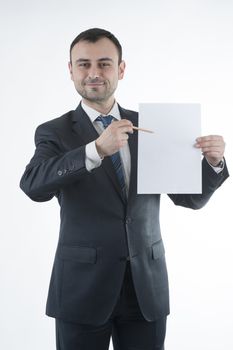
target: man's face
<point>95,70</point>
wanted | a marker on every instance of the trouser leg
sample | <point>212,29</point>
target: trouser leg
<point>73,336</point>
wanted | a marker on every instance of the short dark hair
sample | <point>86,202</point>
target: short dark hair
<point>93,35</point>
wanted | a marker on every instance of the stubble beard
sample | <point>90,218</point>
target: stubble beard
<point>94,95</point>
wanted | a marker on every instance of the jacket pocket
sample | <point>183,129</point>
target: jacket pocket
<point>158,250</point>
<point>78,254</point>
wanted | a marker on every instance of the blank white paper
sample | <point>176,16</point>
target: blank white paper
<point>168,162</point>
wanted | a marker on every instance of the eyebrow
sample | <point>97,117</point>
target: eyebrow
<point>106,59</point>
<point>99,60</point>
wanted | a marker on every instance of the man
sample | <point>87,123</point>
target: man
<point>109,276</point>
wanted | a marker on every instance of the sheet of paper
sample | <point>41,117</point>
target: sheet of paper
<point>168,162</point>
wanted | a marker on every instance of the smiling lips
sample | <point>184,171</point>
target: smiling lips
<point>94,83</point>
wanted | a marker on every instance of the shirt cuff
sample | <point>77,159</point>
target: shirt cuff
<point>217,169</point>
<point>92,159</point>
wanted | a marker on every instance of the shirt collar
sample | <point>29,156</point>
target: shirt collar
<point>93,114</point>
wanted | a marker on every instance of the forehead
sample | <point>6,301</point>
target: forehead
<point>94,51</point>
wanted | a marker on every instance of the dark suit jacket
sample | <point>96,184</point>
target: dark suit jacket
<point>99,231</point>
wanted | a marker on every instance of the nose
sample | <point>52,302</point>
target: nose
<point>93,73</point>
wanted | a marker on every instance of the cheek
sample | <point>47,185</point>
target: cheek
<point>114,77</point>
<point>78,78</point>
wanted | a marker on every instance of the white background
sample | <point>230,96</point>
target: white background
<point>176,51</point>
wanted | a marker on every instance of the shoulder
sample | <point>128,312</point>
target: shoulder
<point>55,129</point>
<point>57,123</point>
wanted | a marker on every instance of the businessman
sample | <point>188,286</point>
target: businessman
<point>109,276</point>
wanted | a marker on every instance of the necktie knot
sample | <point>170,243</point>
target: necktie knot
<point>106,120</point>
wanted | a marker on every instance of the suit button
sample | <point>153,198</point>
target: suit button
<point>128,220</point>
<point>125,258</point>
<point>59,173</point>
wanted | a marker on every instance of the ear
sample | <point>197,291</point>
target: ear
<point>121,70</point>
<point>71,70</point>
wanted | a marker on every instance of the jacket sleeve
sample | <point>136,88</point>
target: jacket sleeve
<point>51,167</point>
<point>210,182</point>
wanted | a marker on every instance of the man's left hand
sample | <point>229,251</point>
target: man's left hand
<point>212,147</point>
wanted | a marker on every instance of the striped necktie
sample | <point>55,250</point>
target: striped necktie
<point>116,159</point>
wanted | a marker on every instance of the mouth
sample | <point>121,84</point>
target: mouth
<point>94,84</point>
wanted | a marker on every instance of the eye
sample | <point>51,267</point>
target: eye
<point>105,64</point>
<point>83,65</point>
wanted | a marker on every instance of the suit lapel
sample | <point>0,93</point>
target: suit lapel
<point>83,126</point>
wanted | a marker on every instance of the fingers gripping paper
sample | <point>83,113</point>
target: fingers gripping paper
<point>168,162</point>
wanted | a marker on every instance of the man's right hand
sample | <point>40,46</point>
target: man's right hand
<point>113,137</point>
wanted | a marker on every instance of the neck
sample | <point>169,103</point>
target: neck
<point>104,107</point>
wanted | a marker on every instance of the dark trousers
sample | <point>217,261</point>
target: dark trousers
<point>127,326</point>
